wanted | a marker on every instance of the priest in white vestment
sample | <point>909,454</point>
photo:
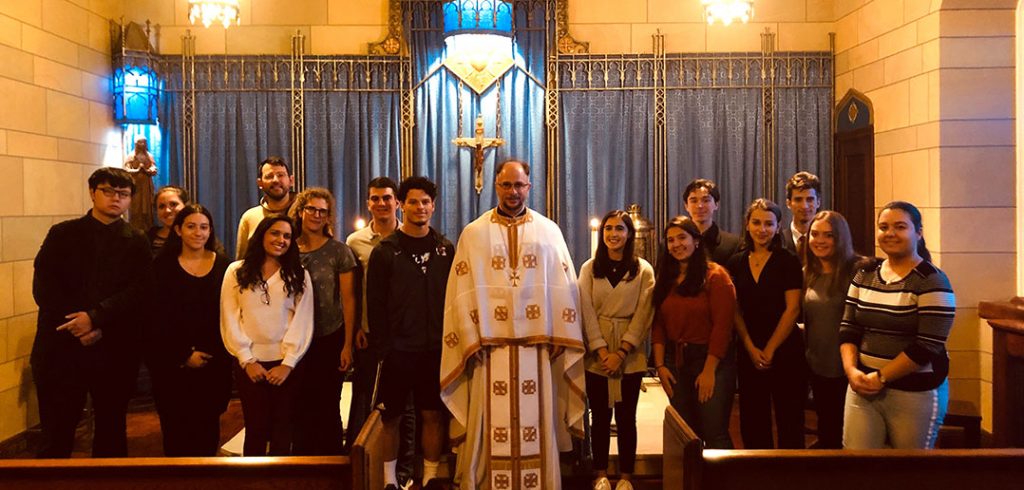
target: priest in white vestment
<point>512,360</point>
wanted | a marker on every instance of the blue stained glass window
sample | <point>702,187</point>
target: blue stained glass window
<point>136,93</point>
<point>477,17</point>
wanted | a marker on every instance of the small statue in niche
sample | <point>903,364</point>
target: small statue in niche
<point>143,168</point>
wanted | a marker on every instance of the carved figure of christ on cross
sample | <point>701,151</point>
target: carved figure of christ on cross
<point>478,143</point>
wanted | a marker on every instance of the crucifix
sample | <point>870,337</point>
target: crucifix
<point>478,143</point>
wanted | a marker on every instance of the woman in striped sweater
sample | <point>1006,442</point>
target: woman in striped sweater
<point>893,340</point>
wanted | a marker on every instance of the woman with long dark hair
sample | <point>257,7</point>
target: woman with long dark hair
<point>772,369</point>
<point>615,298</point>
<point>190,368</point>
<point>695,302</point>
<point>898,315</point>
<point>330,263</point>
<point>830,265</point>
<point>266,322</point>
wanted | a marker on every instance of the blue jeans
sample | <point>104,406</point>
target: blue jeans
<point>894,418</point>
<point>710,420</point>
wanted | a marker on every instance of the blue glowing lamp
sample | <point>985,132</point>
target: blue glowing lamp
<point>136,92</point>
<point>477,17</point>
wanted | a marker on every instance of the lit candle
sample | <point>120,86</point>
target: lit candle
<point>594,236</point>
<point>360,223</point>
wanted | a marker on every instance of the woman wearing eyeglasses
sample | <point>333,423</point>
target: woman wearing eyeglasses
<point>190,368</point>
<point>330,264</point>
<point>266,322</point>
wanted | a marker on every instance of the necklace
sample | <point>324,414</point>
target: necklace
<point>756,261</point>
<point>194,267</point>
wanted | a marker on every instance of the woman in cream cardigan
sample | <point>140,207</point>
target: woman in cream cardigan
<point>615,297</point>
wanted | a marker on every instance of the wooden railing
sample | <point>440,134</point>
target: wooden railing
<point>688,467</point>
<point>294,472</point>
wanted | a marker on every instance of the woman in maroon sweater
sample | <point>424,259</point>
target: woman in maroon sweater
<point>694,306</point>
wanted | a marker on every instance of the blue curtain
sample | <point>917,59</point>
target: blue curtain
<point>803,119</point>
<point>605,162</point>
<point>437,96</point>
<point>715,134</point>
<point>234,132</point>
<point>169,159</point>
<point>351,137</point>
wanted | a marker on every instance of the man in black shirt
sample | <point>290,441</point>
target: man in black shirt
<point>405,287</point>
<point>701,198</point>
<point>91,276</point>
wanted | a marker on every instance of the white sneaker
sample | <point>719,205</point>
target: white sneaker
<point>602,484</point>
<point>623,485</point>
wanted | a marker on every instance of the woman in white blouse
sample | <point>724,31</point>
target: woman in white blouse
<point>615,297</point>
<point>266,321</point>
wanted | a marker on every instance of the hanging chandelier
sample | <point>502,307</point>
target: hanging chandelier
<point>728,11</point>
<point>210,11</point>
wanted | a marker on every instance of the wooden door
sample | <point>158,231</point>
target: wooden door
<point>854,172</point>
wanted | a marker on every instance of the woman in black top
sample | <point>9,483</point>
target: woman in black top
<point>772,371</point>
<point>191,369</point>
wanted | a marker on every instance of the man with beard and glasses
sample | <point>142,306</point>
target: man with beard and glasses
<point>512,360</point>
<point>275,180</point>
<point>405,288</point>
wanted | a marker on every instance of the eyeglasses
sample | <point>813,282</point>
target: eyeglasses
<point>315,211</point>
<point>111,192</point>
<point>518,186</point>
<point>385,198</point>
<point>264,293</point>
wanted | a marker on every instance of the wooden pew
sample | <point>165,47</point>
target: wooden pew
<point>321,472</point>
<point>367,455</point>
<point>691,468</point>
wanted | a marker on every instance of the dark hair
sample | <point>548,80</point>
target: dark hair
<point>416,182</point>
<point>803,181</point>
<point>250,274</point>
<point>708,185</point>
<point>182,194</point>
<point>844,260</point>
<point>273,161</point>
<point>173,246</point>
<point>762,204</point>
<point>302,199</point>
<point>115,177</point>
<point>915,218</point>
<point>525,166</point>
<point>382,183</point>
<point>668,267</point>
<point>602,262</point>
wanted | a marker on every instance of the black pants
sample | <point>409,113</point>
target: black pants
<point>363,380</point>
<point>782,388</point>
<point>625,419</point>
<point>317,410</point>
<point>829,403</point>
<point>267,411</point>
<point>62,396</point>
<point>189,402</point>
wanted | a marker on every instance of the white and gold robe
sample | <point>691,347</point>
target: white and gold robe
<point>511,301</point>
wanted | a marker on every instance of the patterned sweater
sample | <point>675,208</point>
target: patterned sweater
<point>912,315</point>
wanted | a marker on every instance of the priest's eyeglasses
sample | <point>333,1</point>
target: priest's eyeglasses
<point>111,192</point>
<point>518,186</point>
<point>315,211</point>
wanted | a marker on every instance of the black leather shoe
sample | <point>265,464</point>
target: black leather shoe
<point>435,484</point>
